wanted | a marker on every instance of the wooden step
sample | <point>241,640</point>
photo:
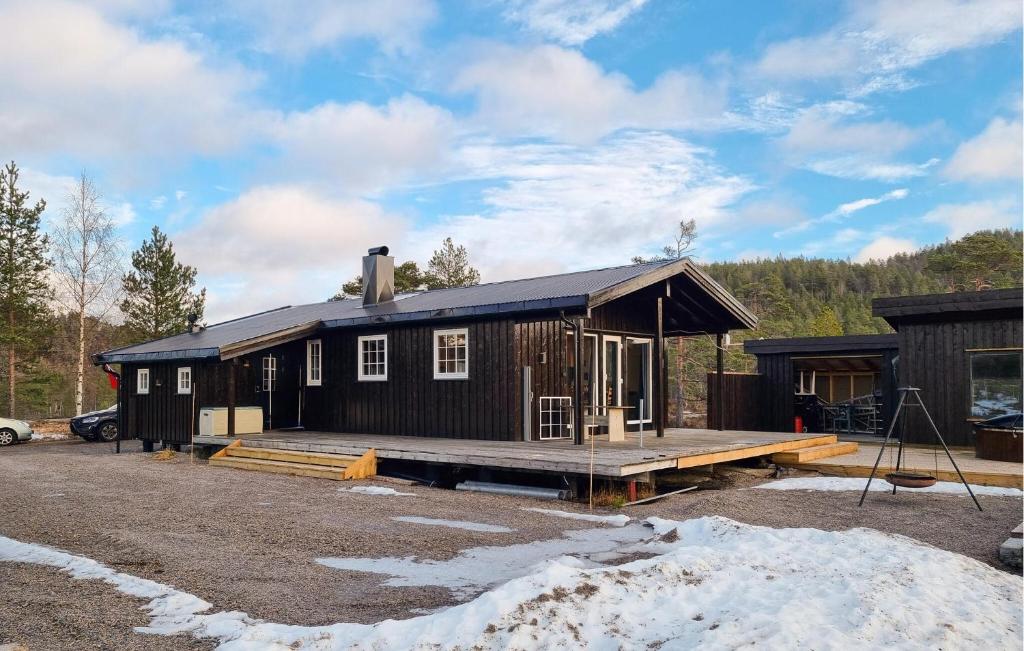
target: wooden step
<point>282,467</point>
<point>803,455</point>
<point>293,456</point>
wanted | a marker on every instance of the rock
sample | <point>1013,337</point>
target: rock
<point>1010,552</point>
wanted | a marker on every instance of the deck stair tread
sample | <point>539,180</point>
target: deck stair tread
<point>282,467</point>
<point>295,456</point>
<point>803,455</point>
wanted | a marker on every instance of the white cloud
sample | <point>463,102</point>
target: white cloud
<point>964,218</point>
<point>845,210</point>
<point>552,91</point>
<point>994,154</point>
<point>108,91</point>
<point>880,40</point>
<point>866,169</point>
<point>776,210</point>
<point>281,245</point>
<point>298,28</point>
<point>571,22</point>
<point>563,207</point>
<point>821,141</point>
<point>884,247</point>
<point>361,147</point>
<point>157,203</point>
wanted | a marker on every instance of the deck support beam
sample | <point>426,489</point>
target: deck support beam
<point>577,389</point>
<point>719,381</point>
<point>231,397</point>
<point>659,410</point>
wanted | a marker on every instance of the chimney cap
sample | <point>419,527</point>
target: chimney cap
<point>378,250</point>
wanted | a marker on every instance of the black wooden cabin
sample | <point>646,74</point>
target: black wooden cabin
<point>495,361</point>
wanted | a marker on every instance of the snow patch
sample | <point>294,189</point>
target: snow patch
<point>372,490</point>
<point>614,520</point>
<point>878,485</point>
<point>51,436</point>
<point>454,524</point>
<point>476,569</point>
<point>715,584</point>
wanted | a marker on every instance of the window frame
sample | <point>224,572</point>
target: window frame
<point>312,381</point>
<point>187,373</point>
<point>272,367</point>
<point>139,374</point>
<point>972,354</point>
<point>361,375</point>
<point>455,375</point>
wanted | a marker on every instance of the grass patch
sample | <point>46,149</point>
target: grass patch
<point>165,455</point>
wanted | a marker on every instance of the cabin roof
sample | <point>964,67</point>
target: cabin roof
<point>953,306</point>
<point>573,292</point>
<point>846,344</point>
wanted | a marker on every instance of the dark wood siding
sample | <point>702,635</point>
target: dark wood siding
<point>935,357</point>
<point>744,402</point>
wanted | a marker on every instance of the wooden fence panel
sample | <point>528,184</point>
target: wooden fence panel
<point>743,402</point>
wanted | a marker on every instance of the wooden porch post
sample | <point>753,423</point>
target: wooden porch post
<point>577,388</point>
<point>658,408</point>
<point>231,397</point>
<point>719,381</point>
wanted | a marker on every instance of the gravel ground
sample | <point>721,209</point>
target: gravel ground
<point>246,541</point>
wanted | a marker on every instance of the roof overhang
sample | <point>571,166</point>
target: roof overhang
<point>734,314</point>
<point>954,306</point>
<point>848,345</point>
<point>287,335</point>
<point>114,357</point>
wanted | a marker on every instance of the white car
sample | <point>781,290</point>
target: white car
<point>13,431</point>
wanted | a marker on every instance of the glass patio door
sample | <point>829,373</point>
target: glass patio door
<point>611,385</point>
<point>638,378</point>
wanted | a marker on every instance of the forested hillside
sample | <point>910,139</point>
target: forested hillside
<point>797,297</point>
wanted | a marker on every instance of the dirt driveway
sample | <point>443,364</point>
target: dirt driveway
<point>249,541</point>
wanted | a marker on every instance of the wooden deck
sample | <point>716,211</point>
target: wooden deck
<point>920,459</point>
<point>679,448</point>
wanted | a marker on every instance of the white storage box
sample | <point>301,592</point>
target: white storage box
<point>213,421</point>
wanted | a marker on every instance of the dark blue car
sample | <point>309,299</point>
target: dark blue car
<point>96,425</point>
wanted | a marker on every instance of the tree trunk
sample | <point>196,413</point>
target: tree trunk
<point>10,369</point>
<point>80,377</point>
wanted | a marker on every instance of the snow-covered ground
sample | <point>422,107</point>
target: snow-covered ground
<point>714,583</point>
<point>373,490</point>
<point>454,524</point>
<point>614,520</point>
<point>51,436</point>
<point>878,485</point>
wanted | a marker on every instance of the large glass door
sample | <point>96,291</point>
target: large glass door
<point>638,378</point>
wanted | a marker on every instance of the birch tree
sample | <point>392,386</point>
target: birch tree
<point>87,262</point>
<point>25,292</point>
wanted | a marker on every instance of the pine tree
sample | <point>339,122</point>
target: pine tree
<point>24,290</point>
<point>826,324</point>
<point>159,291</point>
<point>449,267</point>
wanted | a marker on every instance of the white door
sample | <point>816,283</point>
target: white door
<point>611,362</point>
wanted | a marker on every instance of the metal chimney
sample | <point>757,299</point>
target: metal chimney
<point>378,276</point>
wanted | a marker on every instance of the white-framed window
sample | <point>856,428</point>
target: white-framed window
<point>184,379</point>
<point>373,358</point>
<point>142,381</point>
<point>451,354</point>
<point>314,362</point>
<point>269,373</point>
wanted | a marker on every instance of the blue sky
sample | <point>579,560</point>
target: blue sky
<point>276,141</point>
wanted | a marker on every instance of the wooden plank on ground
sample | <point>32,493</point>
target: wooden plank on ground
<point>803,455</point>
<point>980,478</point>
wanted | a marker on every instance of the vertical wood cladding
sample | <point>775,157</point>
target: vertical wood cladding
<point>487,405</point>
<point>744,402</point>
<point>935,358</point>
